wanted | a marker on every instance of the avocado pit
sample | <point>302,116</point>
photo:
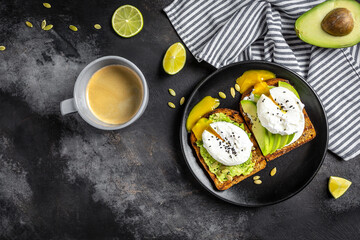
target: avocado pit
<point>338,22</point>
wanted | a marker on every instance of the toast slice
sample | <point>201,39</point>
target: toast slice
<point>257,156</point>
<point>309,130</point>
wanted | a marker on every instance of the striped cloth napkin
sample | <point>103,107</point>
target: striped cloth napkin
<point>226,31</point>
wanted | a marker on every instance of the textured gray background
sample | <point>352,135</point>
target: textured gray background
<point>62,179</point>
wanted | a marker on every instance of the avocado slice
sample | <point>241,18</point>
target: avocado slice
<point>260,133</point>
<point>322,27</point>
<point>277,141</point>
<point>271,141</point>
<point>284,140</point>
<point>291,137</point>
<point>288,86</point>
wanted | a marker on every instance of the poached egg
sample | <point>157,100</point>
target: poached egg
<point>285,117</point>
<point>237,146</point>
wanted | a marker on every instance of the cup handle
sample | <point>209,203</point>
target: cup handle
<point>68,106</point>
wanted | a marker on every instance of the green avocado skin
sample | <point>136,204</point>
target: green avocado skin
<point>308,25</point>
<point>221,171</point>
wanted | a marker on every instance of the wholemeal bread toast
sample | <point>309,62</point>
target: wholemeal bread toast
<point>309,130</point>
<point>257,156</point>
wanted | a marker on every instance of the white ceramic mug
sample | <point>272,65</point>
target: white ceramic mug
<point>79,103</point>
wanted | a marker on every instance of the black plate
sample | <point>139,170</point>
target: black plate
<point>295,169</point>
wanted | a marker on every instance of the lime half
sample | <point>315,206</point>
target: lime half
<point>338,186</point>
<point>127,21</point>
<point>174,59</point>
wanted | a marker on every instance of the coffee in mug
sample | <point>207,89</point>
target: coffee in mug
<point>114,94</point>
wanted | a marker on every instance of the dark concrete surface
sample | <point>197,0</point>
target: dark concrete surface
<point>62,179</point>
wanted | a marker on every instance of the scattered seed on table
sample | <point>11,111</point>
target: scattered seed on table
<point>47,5</point>
<point>29,24</point>
<point>2,48</point>
<point>258,181</point>
<point>232,92</point>
<point>273,171</point>
<point>182,100</point>
<point>73,28</point>
<point>171,105</point>
<point>97,26</point>
<point>237,87</point>
<point>256,177</point>
<point>172,92</point>
<point>43,24</point>
<point>222,95</point>
<point>48,27</point>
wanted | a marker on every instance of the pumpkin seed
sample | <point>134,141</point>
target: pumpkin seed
<point>29,24</point>
<point>232,92</point>
<point>73,28</point>
<point>237,87</point>
<point>48,27</point>
<point>172,92</point>
<point>222,95</point>
<point>258,181</point>
<point>256,177</point>
<point>273,171</point>
<point>97,26</point>
<point>222,168</point>
<point>171,105</point>
<point>230,178</point>
<point>47,5</point>
<point>2,48</point>
<point>43,24</point>
<point>214,165</point>
<point>182,100</point>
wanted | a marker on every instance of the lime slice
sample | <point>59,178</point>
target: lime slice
<point>338,186</point>
<point>174,59</point>
<point>127,21</point>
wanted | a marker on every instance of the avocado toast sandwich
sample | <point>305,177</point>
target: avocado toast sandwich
<point>276,116</point>
<point>230,154</point>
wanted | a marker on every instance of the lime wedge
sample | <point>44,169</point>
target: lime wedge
<point>174,59</point>
<point>127,21</point>
<point>338,186</point>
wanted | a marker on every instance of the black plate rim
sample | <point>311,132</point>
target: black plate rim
<point>183,121</point>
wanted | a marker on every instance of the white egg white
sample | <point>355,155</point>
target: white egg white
<point>236,148</point>
<point>285,117</point>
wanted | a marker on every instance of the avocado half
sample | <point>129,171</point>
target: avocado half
<point>309,28</point>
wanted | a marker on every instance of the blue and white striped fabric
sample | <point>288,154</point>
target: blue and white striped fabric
<point>226,31</point>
